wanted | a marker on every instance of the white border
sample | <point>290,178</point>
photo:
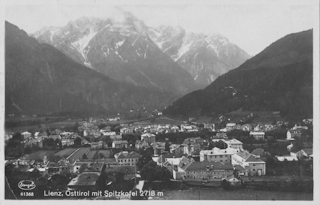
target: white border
<point>174,2</point>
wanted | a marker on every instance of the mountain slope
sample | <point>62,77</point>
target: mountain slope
<point>205,57</point>
<point>41,79</point>
<point>120,50</point>
<point>277,79</point>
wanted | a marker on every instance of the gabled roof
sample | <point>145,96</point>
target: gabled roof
<point>163,157</point>
<point>257,151</point>
<point>254,159</point>
<point>244,154</point>
<point>120,142</point>
<point>239,168</point>
<point>233,141</point>
<point>125,155</point>
<point>203,166</point>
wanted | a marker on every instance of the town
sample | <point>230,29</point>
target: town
<point>160,154</point>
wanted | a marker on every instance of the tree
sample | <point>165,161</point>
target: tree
<point>167,146</point>
<point>143,160</point>
<point>17,136</point>
<point>77,141</point>
<point>151,171</point>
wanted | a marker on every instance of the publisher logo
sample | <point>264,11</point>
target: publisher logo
<point>26,185</point>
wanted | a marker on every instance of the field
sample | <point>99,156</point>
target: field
<point>79,153</point>
<point>39,155</point>
<point>65,153</point>
<point>106,153</point>
<point>160,121</point>
<point>91,154</point>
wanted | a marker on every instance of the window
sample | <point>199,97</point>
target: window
<point>220,156</point>
<point>254,170</point>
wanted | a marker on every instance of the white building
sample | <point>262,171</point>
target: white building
<point>253,165</point>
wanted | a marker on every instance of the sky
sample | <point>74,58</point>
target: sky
<point>250,24</point>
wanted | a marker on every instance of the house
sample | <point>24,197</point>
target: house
<point>158,147</point>
<point>234,143</point>
<point>97,145</point>
<point>218,155</point>
<point>54,137</point>
<point>292,134</point>
<point>261,153</point>
<point>289,158</point>
<point>148,137</point>
<point>246,127</point>
<point>253,165</point>
<point>173,159</point>
<point>230,126</point>
<point>61,166</point>
<point>26,135</point>
<point>141,144</point>
<point>88,166</point>
<point>120,144</point>
<point>67,141</point>
<point>126,158</point>
<point>173,147</point>
<point>203,171</point>
<point>116,137</point>
<point>257,135</point>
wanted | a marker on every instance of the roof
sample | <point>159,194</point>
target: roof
<point>252,158</point>
<point>239,168</point>
<point>120,142</point>
<point>308,151</point>
<point>203,166</point>
<point>233,141</point>
<point>125,155</point>
<point>244,154</point>
<point>256,133</point>
<point>257,151</point>
<point>121,169</point>
<point>85,179</point>
<point>91,166</point>
<point>163,157</point>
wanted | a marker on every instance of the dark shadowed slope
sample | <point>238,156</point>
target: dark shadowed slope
<point>280,78</point>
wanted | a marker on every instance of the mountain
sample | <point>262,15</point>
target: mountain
<point>280,78</point>
<point>130,51</point>
<point>41,79</point>
<point>205,57</point>
<point>120,50</point>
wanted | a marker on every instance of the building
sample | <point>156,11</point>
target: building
<point>253,165</point>
<point>292,134</point>
<point>218,155</point>
<point>125,158</point>
<point>257,135</point>
<point>173,159</point>
<point>148,137</point>
<point>120,144</point>
<point>97,145</point>
<point>203,171</point>
<point>234,143</point>
<point>231,126</point>
<point>141,144</point>
<point>26,135</point>
<point>67,141</point>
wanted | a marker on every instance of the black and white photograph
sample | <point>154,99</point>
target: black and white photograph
<point>160,100</point>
